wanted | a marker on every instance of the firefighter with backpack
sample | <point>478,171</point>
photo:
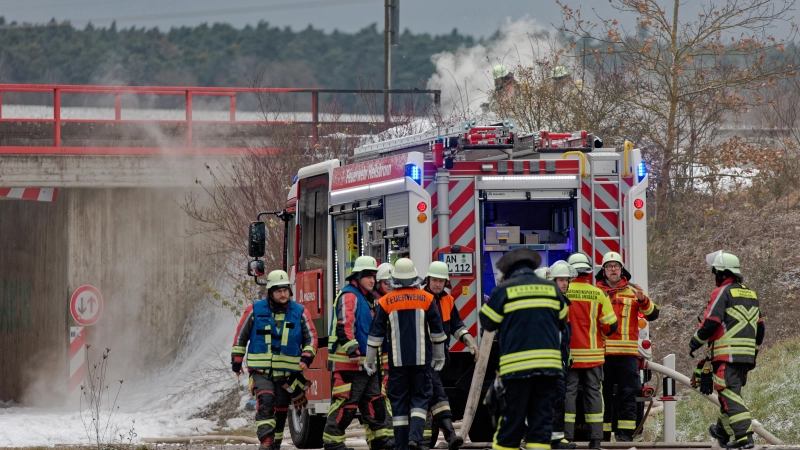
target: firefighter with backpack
<point>280,340</point>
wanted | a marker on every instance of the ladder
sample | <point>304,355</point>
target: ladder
<point>605,165</point>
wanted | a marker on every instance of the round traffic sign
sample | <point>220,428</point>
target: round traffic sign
<point>86,305</point>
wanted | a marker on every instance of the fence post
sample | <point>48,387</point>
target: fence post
<point>57,117</point>
<point>669,406</point>
<point>117,106</point>
<point>314,118</point>
<point>233,107</point>
<point>189,138</point>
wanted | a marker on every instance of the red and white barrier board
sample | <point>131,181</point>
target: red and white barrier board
<point>77,357</point>
<point>37,194</point>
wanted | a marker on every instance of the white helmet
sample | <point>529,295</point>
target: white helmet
<point>561,269</point>
<point>580,262</point>
<point>384,271</point>
<point>722,260</point>
<point>404,269</point>
<point>541,272</point>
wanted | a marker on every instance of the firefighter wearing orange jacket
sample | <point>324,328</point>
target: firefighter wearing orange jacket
<point>410,321</point>
<point>593,320</point>
<point>622,348</point>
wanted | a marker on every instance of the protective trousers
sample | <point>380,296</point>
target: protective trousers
<point>527,398</point>
<point>559,408</point>
<point>620,387</point>
<point>353,391</point>
<point>592,382</point>
<point>272,406</point>
<point>734,416</point>
<point>439,408</point>
<point>410,389</point>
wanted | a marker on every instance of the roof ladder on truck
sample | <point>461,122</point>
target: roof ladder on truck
<point>604,171</point>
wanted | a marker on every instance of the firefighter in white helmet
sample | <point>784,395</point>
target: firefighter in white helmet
<point>382,278</point>
<point>592,319</point>
<point>733,328</point>
<point>408,311</point>
<point>437,279</point>
<point>353,386</point>
<point>276,359</point>
<point>561,273</point>
<point>622,348</point>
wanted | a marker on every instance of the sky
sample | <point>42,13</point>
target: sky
<point>478,18</point>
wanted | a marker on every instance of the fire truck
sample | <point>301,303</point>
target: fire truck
<point>463,194</point>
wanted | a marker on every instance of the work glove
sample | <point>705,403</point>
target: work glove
<point>298,391</point>
<point>706,383</point>
<point>438,357</point>
<point>236,367</point>
<point>371,362</point>
<point>473,347</point>
<point>693,346</point>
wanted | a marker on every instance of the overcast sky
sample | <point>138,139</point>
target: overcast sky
<point>473,17</point>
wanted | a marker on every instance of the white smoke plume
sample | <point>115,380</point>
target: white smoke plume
<point>465,77</point>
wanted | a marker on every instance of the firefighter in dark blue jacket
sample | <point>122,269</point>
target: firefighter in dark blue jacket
<point>530,362</point>
<point>282,343</point>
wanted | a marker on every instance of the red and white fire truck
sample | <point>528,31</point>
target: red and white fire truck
<point>465,195</point>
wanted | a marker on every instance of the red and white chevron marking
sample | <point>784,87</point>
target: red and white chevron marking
<point>462,232</point>
<point>38,194</point>
<point>605,197</point>
<point>77,357</point>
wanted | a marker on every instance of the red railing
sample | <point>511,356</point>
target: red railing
<point>189,93</point>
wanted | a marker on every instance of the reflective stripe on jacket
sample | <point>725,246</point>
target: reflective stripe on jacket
<point>349,329</point>
<point>626,306</point>
<point>530,314</point>
<point>592,318</point>
<point>274,346</point>
<point>732,323</point>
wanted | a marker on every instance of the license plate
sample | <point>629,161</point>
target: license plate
<point>458,263</point>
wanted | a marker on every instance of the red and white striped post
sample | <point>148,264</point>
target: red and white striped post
<point>77,357</point>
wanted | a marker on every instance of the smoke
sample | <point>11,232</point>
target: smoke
<point>465,77</point>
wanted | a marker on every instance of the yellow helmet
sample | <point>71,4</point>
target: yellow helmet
<point>580,262</point>
<point>404,269</point>
<point>363,263</point>
<point>499,71</point>
<point>612,257</point>
<point>438,269</point>
<point>278,279</point>
<point>722,260</point>
<point>559,72</point>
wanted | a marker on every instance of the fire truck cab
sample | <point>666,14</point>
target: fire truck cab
<point>464,195</point>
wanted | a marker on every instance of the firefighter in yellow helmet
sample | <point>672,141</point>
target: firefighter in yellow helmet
<point>621,366</point>
<point>503,81</point>
<point>733,328</point>
<point>530,363</point>
<point>353,386</point>
<point>277,359</point>
<point>437,279</point>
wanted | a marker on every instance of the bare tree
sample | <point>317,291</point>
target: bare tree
<point>699,68</point>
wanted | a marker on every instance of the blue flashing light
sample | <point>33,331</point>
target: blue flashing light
<point>414,172</point>
<point>294,180</point>
<point>641,171</point>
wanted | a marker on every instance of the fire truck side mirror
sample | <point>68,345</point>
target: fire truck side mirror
<point>258,240</point>
<point>256,269</point>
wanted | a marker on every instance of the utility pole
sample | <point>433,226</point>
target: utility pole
<point>391,32</point>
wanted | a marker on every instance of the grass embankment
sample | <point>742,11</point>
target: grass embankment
<point>772,393</point>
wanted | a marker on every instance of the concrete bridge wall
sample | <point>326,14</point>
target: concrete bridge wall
<point>130,243</point>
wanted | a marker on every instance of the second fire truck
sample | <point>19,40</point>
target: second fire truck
<point>465,195</point>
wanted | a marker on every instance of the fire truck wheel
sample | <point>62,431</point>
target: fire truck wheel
<point>481,430</point>
<point>306,428</point>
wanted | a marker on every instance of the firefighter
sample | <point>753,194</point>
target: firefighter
<point>530,363</point>
<point>503,81</point>
<point>621,366</point>
<point>436,280</point>
<point>282,343</point>
<point>733,327</point>
<point>593,320</point>
<point>561,273</point>
<point>353,387</point>
<point>382,278</point>
<point>404,313</point>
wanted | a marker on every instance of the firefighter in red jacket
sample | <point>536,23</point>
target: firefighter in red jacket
<point>622,348</point>
<point>436,280</point>
<point>354,388</point>
<point>408,319</point>
<point>593,320</point>
<point>282,343</point>
<point>733,327</point>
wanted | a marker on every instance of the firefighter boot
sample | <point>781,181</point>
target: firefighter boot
<point>594,444</point>
<point>563,444</point>
<point>718,433</point>
<point>745,441</point>
<point>454,441</point>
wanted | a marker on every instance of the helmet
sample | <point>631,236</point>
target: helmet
<point>384,271</point>
<point>722,260</point>
<point>438,269</point>
<point>363,263</point>
<point>580,262</point>
<point>559,72</point>
<point>541,272</point>
<point>499,71</point>
<point>612,257</point>
<point>404,270</point>
<point>561,269</point>
<point>278,279</point>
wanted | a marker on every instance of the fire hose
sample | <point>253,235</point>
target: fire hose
<point>677,376</point>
